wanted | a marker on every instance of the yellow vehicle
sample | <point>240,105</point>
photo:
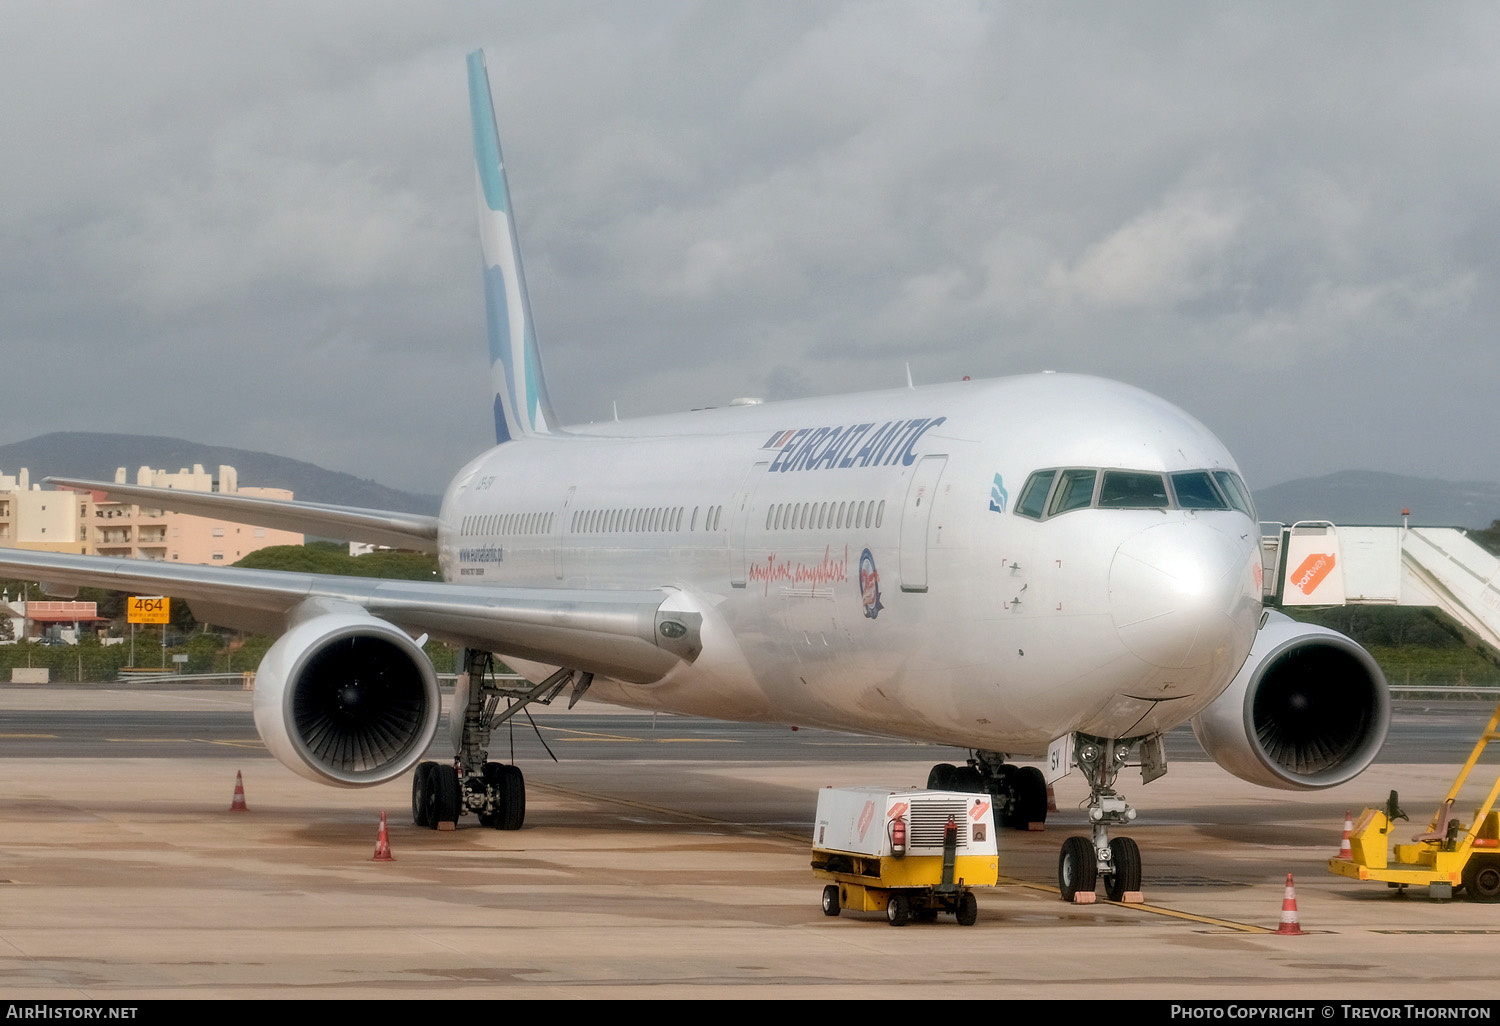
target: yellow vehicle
<point>910,854</point>
<point>1448,855</point>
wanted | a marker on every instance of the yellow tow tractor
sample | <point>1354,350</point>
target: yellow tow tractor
<point>1449,854</point>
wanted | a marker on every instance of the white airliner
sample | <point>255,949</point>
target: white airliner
<point>1050,566</point>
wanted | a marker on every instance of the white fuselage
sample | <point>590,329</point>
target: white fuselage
<point>863,568</point>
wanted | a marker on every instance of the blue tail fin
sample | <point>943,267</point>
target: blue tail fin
<point>522,406</point>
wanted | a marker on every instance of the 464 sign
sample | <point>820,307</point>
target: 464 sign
<point>148,609</point>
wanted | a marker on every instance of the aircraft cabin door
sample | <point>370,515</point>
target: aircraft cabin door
<point>916,518</point>
<point>560,534</point>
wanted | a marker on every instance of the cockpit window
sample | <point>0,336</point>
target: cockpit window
<point>1051,492</point>
<point>1195,490</point>
<point>1234,488</point>
<point>1075,490</point>
<point>1130,489</point>
<point>1034,495</point>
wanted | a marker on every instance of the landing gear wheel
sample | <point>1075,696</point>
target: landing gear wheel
<point>968,779</point>
<point>443,796</point>
<point>968,910</point>
<point>1077,868</point>
<point>510,801</point>
<point>940,777</point>
<point>1029,804</point>
<point>831,900</point>
<point>421,784</point>
<point>1482,879</point>
<point>898,910</point>
<point>1126,856</point>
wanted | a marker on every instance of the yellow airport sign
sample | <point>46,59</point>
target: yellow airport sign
<point>148,609</point>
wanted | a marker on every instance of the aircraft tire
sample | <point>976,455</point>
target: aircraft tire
<point>1126,856</point>
<point>940,777</point>
<point>1030,790</point>
<point>513,811</point>
<point>420,800</point>
<point>1077,869</point>
<point>831,900</point>
<point>510,803</point>
<point>968,779</point>
<point>1482,879</point>
<point>444,795</point>
<point>968,909</point>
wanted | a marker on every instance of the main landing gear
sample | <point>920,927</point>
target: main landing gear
<point>1084,860</point>
<point>494,792</point>
<point>1019,793</point>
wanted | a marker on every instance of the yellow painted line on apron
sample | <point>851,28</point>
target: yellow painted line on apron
<point>589,735</point>
<point>1156,910</point>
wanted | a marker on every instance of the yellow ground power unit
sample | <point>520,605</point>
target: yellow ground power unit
<point>911,854</point>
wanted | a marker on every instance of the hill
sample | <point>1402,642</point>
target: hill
<point>1377,499</point>
<point>96,455</point>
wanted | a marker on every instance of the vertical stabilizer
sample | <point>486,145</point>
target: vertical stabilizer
<point>521,404</point>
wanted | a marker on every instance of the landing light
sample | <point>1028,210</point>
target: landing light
<point>671,629</point>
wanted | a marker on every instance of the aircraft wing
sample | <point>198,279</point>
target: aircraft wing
<point>611,633</point>
<point>343,523</point>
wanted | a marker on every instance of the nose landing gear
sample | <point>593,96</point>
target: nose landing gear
<point>1083,860</point>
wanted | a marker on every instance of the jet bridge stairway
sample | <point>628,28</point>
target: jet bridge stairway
<point>1317,563</point>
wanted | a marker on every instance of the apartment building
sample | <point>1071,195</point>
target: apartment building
<point>45,521</point>
<point>89,523</point>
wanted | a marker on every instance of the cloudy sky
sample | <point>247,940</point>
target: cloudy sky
<point>254,226</point>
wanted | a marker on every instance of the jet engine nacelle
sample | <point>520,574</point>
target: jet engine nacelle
<point>344,698</point>
<point>1308,710</point>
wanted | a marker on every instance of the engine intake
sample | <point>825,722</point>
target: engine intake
<point>345,698</point>
<point>1308,710</point>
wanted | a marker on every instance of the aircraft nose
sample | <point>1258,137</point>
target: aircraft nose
<point>1183,595</point>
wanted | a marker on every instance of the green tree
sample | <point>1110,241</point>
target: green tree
<point>334,558</point>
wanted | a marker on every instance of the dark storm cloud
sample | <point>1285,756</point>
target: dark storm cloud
<point>254,227</point>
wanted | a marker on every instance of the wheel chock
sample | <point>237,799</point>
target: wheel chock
<point>1084,897</point>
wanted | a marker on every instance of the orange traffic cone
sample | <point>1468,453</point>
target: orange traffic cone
<point>238,804</point>
<point>1345,851</point>
<point>383,844</point>
<point>1289,926</point>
